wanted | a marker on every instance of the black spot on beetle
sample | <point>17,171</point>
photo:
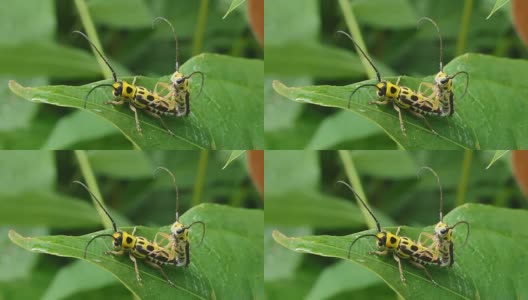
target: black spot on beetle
<point>129,90</point>
<point>150,248</point>
<point>129,240</point>
<point>414,248</point>
<point>150,97</point>
<point>393,90</point>
<point>414,97</point>
<point>393,240</point>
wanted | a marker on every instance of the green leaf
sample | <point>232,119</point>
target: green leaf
<point>380,13</point>
<point>497,6</point>
<point>234,4</point>
<point>14,264</point>
<point>321,61</point>
<point>495,95</point>
<point>118,164</point>
<point>25,171</point>
<point>77,277</point>
<point>228,264</point>
<point>47,59</point>
<point>498,154</point>
<point>77,127</point>
<point>300,17</point>
<point>280,177</point>
<point>492,228</point>
<point>15,27</point>
<point>225,116</point>
<point>339,277</point>
<point>234,155</point>
<point>315,209</point>
<point>111,13</point>
<point>327,136</point>
<point>49,209</point>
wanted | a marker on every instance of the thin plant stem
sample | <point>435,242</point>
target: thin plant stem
<point>200,177</point>
<point>353,27</point>
<point>92,34</point>
<point>355,181</point>
<point>91,182</point>
<point>464,178</point>
<point>200,27</point>
<point>464,27</point>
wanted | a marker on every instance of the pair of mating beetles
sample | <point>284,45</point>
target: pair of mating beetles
<point>175,102</point>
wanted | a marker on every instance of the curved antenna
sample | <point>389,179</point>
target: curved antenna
<point>175,37</point>
<point>203,230</point>
<point>467,224</point>
<point>359,198</point>
<point>92,89</point>
<point>439,38</point>
<point>354,241</point>
<point>95,198</point>
<point>354,91</point>
<point>203,80</point>
<point>91,240</point>
<point>175,187</point>
<point>98,52</point>
<point>362,52</point>
<point>439,187</point>
<point>467,80</point>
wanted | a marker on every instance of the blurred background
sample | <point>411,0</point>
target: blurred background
<point>37,197</point>
<point>37,48</point>
<point>302,199</point>
<point>302,49</point>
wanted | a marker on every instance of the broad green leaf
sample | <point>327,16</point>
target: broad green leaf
<point>476,264</point>
<point>339,277</point>
<point>374,163</point>
<point>380,13</point>
<point>47,59</point>
<point>48,209</point>
<point>227,115</point>
<point>286,171</point>
<point>327,136</point>
<point>77,127</point>
<point>25,171</point>
<point>228,264</point>
<point>16,264</point>
<point>497,6</point>
<point>122,163</point>
<point>303,59</point>
<point>279,262</point>
<point>15,114</point>
<point>498,154</point>
<point>77,277</point>
<point>311,208</point>
<point>29,20</point>
<point>111,13</point>
<point>233,6</point>
<point>300,17</point>
<point>494,96</point>
<point>234,155</point>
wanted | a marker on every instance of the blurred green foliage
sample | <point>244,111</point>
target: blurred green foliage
<point>38,49</point>
<point>37,197</point>
<point>310,53</point>
<point>303,184</point>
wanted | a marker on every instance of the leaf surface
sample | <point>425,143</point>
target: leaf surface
<point>228,264</point>
<point>489,266</point>
<point>490,116</point>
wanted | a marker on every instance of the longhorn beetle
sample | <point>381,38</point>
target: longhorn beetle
<point>442,89</point>
<point>138,97</point>
<point>179,87</point>
<point>178,241</point>
<point>137,247</point>
<point>400,96</point>
<point>443,233</point>
<point>401,247</point>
